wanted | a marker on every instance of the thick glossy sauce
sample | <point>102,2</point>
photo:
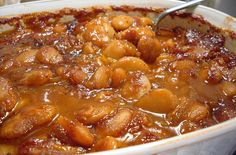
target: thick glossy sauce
<point>99,81</point>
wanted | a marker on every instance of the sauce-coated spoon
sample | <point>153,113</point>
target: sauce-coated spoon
<point>173,9</point>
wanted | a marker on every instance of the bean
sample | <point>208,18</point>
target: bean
<point>122,22</point>
<point>170,43</point>
<point>119,48</point>
<point>81,135</point>
<point>104,95</point>
<point>27,120</point>
<point>77,132</point>
<point>102,77</point>
<point>59,28</point>
<point>145,31</point>
<point>183,65</point>
<point>88,48</point>
<point>203,74</point>
<point>93,113</point>
<point>99,31</point>
<point>36,77</point>
<point>150,49</point>
<point>131,64</point>
<point>77,76</point>
<point>80,38</point>
<point>135,87</point>
<point>59,131</point>
<point>164,58</point>
<point>27,56</point>
<point>187,126</point>
<point>196,111</point>
<point>225,112</point>
<point>6,65</point>
<point>46,147</point>
<point>6,149</point>
<point>117,125</point>
<point>215,75</point>
<point>155,134</point>
<point>141,119</point>
<point>145,21</point>
<point>228,88</point>
<point>8,98</point>
<point>62,71</point>
<point>74,74</point>
<point>211,72</point>
<point>134,34</point>
<point>189,110</point>
<point>107,143</point>
<point>119,76</point>
<point>158,100</point>
<point>5,88</point>
<point>49,55</point>
<point>232,74</point>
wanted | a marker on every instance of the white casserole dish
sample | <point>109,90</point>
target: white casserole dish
<point>216,140</point>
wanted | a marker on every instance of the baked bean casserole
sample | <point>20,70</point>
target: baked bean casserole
<point>80,81</point>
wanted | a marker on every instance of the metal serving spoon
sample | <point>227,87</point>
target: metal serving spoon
<point>173,9</point>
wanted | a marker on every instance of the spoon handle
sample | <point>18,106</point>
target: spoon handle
<point>176,8</point>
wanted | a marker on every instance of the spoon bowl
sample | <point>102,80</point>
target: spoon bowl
<point>175,8</point>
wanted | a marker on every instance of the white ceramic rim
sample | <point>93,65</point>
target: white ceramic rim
<point>46,5</point>
<point>165,144</point>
